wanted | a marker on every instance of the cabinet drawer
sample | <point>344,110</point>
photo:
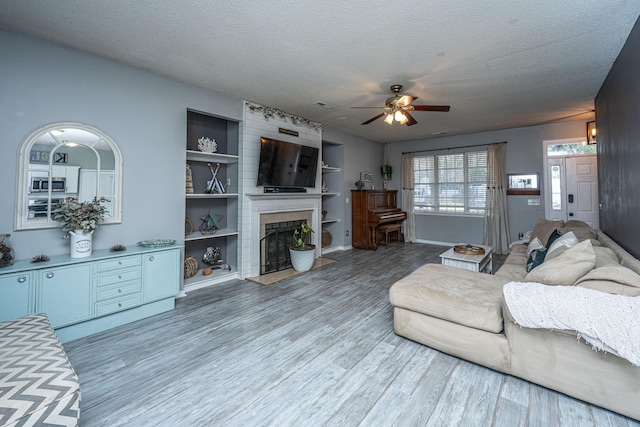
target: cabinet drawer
<point>118,304</point>
<point>125,261</point>
<point>122,289</point>
<point>118,276</point>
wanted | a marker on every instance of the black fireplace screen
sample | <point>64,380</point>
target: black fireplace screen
<point>274,253</point>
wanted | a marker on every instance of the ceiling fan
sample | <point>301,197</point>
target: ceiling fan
<point>397,108</point>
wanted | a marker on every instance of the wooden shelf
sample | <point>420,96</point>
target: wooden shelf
<point>218,276</point>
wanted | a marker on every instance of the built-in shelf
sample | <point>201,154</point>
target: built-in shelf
<point>330,220</point>
<point>218,276</point>
<point>196,235</point>
<point>330,194</point>
<point>212,196</point>
<point>200,156</point>
<point>330,169</point>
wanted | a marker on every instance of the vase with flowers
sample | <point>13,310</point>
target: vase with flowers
<point>79,220</point>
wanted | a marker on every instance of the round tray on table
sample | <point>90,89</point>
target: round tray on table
<point>468,250</point>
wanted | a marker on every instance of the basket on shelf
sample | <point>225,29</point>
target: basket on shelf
<point>190,267</point>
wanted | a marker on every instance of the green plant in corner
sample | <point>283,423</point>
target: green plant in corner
<point>386,171</point>
<point>300,238</point>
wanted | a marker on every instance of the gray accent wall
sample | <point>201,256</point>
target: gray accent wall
<point>618,125</point>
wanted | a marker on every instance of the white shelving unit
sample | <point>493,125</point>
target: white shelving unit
<point>200,203</point>
<point>332,200</point>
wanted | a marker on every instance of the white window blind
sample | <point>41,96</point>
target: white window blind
<point>451,183</point>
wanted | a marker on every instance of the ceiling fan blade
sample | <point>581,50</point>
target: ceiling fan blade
<point>369,107</point>
<point>372,119</point>
<point>411,121</point>
<point>443,108</point>
<point>405,100</point>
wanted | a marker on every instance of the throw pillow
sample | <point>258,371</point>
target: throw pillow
<point>536,257</point>
<point>543,229</point>
<point>567,268</point>
<point>534,245</point>
<point>581,229</point>
<point>568,240</point>
<point>553,237</point>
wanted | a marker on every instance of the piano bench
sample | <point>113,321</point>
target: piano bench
<point>387,229</point>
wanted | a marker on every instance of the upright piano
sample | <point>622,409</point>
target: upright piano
<point>370,209</point>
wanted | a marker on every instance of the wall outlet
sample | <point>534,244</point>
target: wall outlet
<point>347,201</point>
<point>520,235</point>
<point>347,233</point>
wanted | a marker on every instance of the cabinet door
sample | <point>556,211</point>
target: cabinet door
<point>17,298</point>
<point>161,275</point>
<point>66,294</point>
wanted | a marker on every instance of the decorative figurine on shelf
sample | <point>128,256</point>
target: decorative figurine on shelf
<point>214,184</point>
<point>207,145</point>
<point>213,258</point>
<point>210,223</point>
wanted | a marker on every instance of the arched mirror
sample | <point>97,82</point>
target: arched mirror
<point>66,160</point>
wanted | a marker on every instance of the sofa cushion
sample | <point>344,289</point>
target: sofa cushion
<point>567,268</point>
<point>449,293</point>
<point>614,274</point>
<point>543,229</point>
<point>605,257</point>
<point>514,267</point>
<point>534,245</point>
<point>581,229</point>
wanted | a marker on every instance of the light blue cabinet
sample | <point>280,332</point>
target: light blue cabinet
<point>88,295</point>
<point>16,295</point>
<point>64,293</point>
<point>161,271</point>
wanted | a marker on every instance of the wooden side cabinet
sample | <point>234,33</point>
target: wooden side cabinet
<point>88,295</point>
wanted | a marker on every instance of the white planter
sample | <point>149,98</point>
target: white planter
<point>302,260</point>
<point>81,243</point>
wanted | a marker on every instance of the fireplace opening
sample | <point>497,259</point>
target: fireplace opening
<point>274,248</point>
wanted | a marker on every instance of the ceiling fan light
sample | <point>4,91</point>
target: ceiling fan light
<point>389,119</point>
<point>399,116</point>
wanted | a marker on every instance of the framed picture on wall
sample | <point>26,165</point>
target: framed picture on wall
<point>523,184</point>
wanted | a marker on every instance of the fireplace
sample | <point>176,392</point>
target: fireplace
<point>276,235</point>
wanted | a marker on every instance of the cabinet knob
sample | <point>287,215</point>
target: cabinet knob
<point>49,275</point>
<point>119,276</point>
<point>119,304</point>
<point>119,290</point>
<point>119,262</point>
<point>151,258</point>
<point>22,279</point>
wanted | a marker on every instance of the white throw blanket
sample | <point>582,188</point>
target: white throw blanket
<point>608,322</point>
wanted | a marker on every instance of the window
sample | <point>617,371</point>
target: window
<point>451,183</point>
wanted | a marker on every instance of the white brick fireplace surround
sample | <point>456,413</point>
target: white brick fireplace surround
<point>285,203</point>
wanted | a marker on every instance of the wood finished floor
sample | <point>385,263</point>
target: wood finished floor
<point>316,349</point>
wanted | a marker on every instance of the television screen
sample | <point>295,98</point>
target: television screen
<point>285,164</point>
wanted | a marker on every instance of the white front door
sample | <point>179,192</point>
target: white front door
<point>572,189</point>
<point>582,189</point>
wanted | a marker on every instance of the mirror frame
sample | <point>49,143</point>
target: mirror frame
<point>22,181</point>
<point>518,191</point>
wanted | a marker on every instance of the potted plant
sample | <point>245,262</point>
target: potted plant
<point>301,251</point>
<point>79,220</point>
<point>386,171</point>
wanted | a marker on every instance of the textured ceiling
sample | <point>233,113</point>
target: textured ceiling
<point>499,64</point>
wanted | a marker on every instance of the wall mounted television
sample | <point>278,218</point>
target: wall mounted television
<point>285,164</point>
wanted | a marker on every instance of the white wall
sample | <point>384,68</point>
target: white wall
<point>42,82</point>
<point>524,155</point>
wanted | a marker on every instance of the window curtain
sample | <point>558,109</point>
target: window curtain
<point>407,197</point>
<point>496,219</point>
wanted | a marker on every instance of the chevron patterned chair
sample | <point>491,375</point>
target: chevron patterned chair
<point>38,386</point>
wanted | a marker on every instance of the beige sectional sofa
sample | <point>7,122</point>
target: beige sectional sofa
<point>464,314</point>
